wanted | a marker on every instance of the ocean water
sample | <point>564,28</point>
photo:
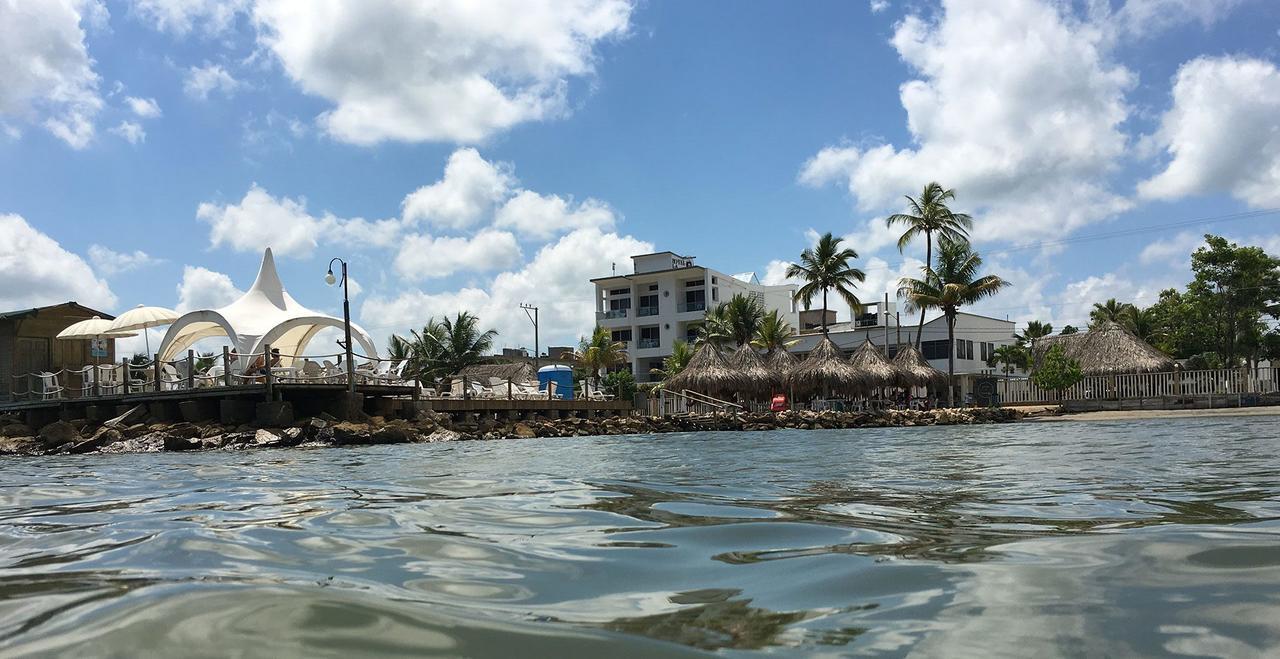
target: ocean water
<point>1155,537</point>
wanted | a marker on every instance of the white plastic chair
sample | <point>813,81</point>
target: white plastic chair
<point>49,387</point>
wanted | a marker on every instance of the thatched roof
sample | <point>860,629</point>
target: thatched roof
<point>708,373</point>
<point>914,371</point>
<point>515,371</point>
<point>757,379</point>
<point>1110,349</point>
<point>779,362</point>
<point>826,370</point>
<point>869,361</point>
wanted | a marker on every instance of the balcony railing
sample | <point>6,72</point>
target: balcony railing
<point>611,314</point>
<point>692,306</point>
<point>647,311</point>
<point>647,343</point>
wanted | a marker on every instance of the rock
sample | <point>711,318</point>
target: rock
<point>19,445</point>
<point>180,443</point>
<point>58,433</point>
<point>103,437</point>
<point>15,429</point>
<point>346,432</point>
<point>441,435</point>
<point>523,431</point>
<point>267,438</point>
<point>396,432</point>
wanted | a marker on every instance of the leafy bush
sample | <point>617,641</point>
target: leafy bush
<point>1057,372</point>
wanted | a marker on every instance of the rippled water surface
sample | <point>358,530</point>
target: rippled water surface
<point>1077,539</point>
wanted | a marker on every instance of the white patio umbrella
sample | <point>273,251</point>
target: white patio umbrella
<point>93,328</point>
<point>143,318</point>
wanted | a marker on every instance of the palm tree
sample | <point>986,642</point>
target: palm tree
<point>681,353</point>
<point>461,344</point>
<point>1111,311</point>
<point>774,334</point>
<point>743,315</point>
<point>824,267</point>
<point>1146,324</point>
<point>1035,331</point>
<point>954,284</point>
<point>716,326</point>
<point>1008,357</point>
<point>1068,330</point>
<point>928,215</point>
<point>598,352</point>
<point>421,352</point>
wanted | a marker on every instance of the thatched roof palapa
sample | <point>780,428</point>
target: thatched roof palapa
<point>514,371</point>
<point>1110,349</point>
<point>914,371</point>
<point>869,361</point>
<point>825,370</point>
<point>757,379</point>
<point>708,373</point>
<point>779,362</point>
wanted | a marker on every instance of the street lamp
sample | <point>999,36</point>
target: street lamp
<point>346,320</point>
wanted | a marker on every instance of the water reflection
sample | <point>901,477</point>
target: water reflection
<point>1157,537</point>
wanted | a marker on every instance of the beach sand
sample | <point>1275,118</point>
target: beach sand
<point>1130,415</point>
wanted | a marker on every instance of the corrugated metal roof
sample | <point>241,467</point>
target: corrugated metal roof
<point>27,313</point>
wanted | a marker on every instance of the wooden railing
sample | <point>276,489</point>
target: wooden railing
<point>1219,382</point>
<point>675,403</point>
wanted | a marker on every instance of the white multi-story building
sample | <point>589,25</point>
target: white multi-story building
<point>667,298</point>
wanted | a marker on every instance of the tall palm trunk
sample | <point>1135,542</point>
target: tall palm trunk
<point>824,311</point>
<point>951,359</point>
<point>928,260</point>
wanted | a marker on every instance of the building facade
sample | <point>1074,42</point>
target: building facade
<point>28,344</point>
<point>666,299</point>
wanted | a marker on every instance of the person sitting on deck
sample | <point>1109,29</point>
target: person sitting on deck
<point>258,368</point>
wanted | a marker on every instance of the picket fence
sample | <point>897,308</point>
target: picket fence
<point>1226,381</point>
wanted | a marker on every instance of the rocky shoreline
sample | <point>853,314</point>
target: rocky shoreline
<point>135,433</point>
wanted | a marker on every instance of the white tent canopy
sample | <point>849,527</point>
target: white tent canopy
<point>266,314</point>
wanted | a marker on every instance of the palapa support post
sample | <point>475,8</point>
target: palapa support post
<point>97,381</point>
<point>466,388</point>
<point>191,369</point>
<point>266,371</point>
<point>509,389</point>
<point>124,375</point>
<point>226,366</point>
<point>155,369</point>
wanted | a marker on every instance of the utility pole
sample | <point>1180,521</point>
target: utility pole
<point>884,313</point>
<point>532,312</point>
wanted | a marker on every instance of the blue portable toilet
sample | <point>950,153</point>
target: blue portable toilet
<point>561,375</point>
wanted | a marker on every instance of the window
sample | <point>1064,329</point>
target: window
<point>649,337</point>
<point>694,301</point>
<point>715,280</point>
<point>620,291</point>
<point>715,294</point>
<point>653,287</point>
<point>620,303</point>
<point>985,355</point>
<point>693,282</point>
<point>648,305</point>
<point>934,349</point>
<point>968,349</point>
<point>622,335</point>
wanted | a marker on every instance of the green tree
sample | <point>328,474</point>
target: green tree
<point>955,283</point>
<point>1068,330</point>
<point>1057,372</point>
<point>1147,325</point>
<point>775,333</point>
<point>681,353</point>
<point>734,322</point>
<point>1035,331</point>
<point>928,215</point>
<point>1009,358</point>
<point>621,383</point>
<point>462,344</point>
<point>1111,311</point>
<point>422,353</point>
<point>824,267</point>
<point>1236,287</point>
<point>598,352</point>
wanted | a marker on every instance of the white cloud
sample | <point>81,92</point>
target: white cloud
<point>259,220</point>
<point>557,279</point>
<point>1222,133</point>
<point>130,132</point>
<point>1148,17</point>
<point>427,257</point>
<point>143,107</point>
<point>775,273</point>
<point>470,188</point>
<point>179,17</point>
<point>202,288</point>
<point>453,70</point>
<point>201,81</point>
<point>1000,85</point>
<point>37,271</point>
<point>46,74</point>
<point>878,6</point>
<point>1178,247</point>
<point>543,216</point>
<point>110,262</point>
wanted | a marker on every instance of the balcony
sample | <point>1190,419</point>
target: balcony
<point>611,314</point>
<point>691,306</point>
<point>646,311</point>
<point>647,343</point>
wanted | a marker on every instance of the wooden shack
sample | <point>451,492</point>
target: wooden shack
<point>27,343</point>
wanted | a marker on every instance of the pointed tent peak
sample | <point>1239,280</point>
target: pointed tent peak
<point>268,283</point>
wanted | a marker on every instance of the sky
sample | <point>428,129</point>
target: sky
<point>466,155</point>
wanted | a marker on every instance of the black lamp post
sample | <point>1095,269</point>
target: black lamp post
<point>346,320</point>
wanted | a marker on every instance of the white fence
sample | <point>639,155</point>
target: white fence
<point>1220,382</point>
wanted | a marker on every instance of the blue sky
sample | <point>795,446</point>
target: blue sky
<point>150,149</point>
